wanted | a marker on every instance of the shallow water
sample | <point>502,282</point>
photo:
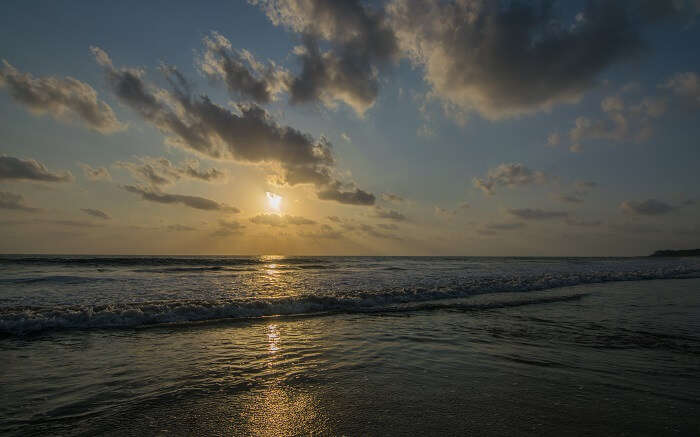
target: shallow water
<point>616,358</point>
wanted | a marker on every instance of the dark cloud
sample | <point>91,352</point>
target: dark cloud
<point>507,58</point>
<point>647,207</point>
<point>389,214</point>
<point>14,201</point>
<point>153,195</point>
<point>280,220</point>
<point>95,174</point>
<point>509,175</point>
<point>249,135</point>
<point>65,98</point>
<point>160,171</point>
<point>537,214</point>
<point>355,196</point>
<point>12,168</point>
<point>96,213</point>
<point>570,198</point>
<point>361,43</point>
<point>238,69</point>
<point>44,222</point>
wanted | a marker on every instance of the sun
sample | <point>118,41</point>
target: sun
<point>274,201</point>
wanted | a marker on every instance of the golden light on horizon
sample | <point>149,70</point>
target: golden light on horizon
<point>274,201</point>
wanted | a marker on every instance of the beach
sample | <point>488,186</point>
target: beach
<point>613,358</point>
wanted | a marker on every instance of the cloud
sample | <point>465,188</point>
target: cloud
<point>623,122</point>
<point>345,137</point>
<point>179,228</point>
<point>449,213</point>
<point>160,171</point>
<point>361,43</point>
<point>14,201</point>
<point>509,175</point>
<point>508,226</point>
<point>228,227</point>
<point>355,196</point>
<point>393,198</point>
<point>570,198</point>
<point>243,75</point>
<point>12,168</point>
<point>686,86</point>
<point>44,222</point>
<point>96,213</point>
<point>388,226</point>
<point>505,59</point>
<point>64,99</point>
<point>325,232</point>
<point>152,195</point>
<point>389,214</point>
<point>249,135</point>
<point>95,174</point>
<point>647,207</point>
<point>372,232</point>
<point>537,214</point>
<point>553,139</point>
<point>280,220</point>
<point>334,218</point>
<point>571,221</point>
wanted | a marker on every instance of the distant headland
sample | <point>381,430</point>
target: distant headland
<point>688,252</point>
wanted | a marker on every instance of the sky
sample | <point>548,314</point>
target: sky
<point>319,127</point>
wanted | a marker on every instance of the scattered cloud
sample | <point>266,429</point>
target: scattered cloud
<point>160,171</point>
<point>571,221</point>
<point>12,168</point>
<point>15,202</point>
<point>64,99</point>
<point>393,198</point>
<point>179,228</point>
<point>280,220</point>
<point>685,85</point>
<point>647,207</point>
<point>553,139</point>
<point>243,75</point>
<point>248,135</point>
<point>325,232</point>
<point>345,137</point>
<point>509,175</point>
<point>389,214</point>
<point>95,174</point>
<point>152,195</point>
<point>96,213</point>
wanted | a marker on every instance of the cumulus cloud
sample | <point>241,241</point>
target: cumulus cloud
<point>95,174</point>
<point>537,214</point>
<point>153,195</point>
<point>504,59</point>
<point>243,75</point>
<point>647,207</point>
<point>361,43</point>
<point>280,220</point>
<point>64,99</point>
<point>14,201</point>
<point>96,213</point>
<point>248,135</point>
<point>509,175</point>
<point>12,168</point>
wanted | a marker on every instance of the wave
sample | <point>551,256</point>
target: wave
<point>154,261</point>
<point>64,279</point>
<point>27,320</point>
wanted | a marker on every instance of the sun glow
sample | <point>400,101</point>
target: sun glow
<point>274,201</point>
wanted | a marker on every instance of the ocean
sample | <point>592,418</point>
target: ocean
<point>275,345</point>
